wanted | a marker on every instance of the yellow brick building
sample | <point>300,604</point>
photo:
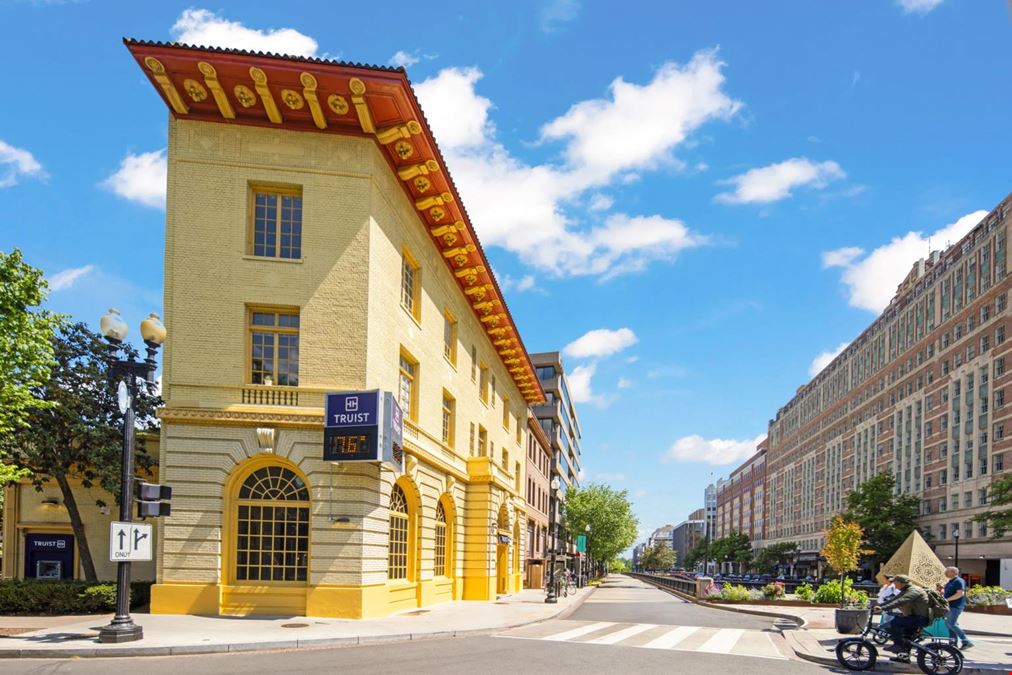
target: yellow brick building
<point>315,243</point>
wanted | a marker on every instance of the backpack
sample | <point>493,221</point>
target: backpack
<point>938,606</point>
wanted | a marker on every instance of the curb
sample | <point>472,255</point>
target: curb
<point>280,645</point>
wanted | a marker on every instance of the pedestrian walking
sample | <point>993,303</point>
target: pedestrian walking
<point>955,594</point>
<point>885,594</point>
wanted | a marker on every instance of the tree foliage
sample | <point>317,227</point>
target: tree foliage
<point>78,438</point>
<point>26,333</point>
<point>695,555</point>
<point>735,547</point>
<point>658,557</point>
<point>886,518</point>
<point>773,555</point>
<point>609,514</point>
<point>843,548</point>
<point>999,521</point>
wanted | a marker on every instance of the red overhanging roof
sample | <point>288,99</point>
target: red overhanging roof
<point>232,86</point>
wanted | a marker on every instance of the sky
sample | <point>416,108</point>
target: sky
<point>700,204</point>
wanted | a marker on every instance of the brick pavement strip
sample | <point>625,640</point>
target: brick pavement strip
<point>453,619</point>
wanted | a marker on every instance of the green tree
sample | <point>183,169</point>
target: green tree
<point>78,439</point>
<point>735,547</point>
<point>775,554</point>
<point>658,557</point>
<point>843,549</point>
<point>26,334</point>
<point>886,518</point>
<point>695,555</point>
<point>609,514</point>
<point>999,521</point>
<point>619,565</point>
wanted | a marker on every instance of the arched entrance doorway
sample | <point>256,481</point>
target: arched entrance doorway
<point>502,552</point>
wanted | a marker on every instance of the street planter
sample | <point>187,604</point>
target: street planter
<point>851,620</point>
<point>990,609</point>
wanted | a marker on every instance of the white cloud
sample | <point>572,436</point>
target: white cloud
<point>556,13</point>
<point>871,280</point>
<point>580,387</point>
<point>640,124</point>
<point>141,178</point>
<point>774,182</point>
<point>600,202</point>
<point>841,257</point>
<point>203,27</point>
<point>600,342</point>
<point>508,283</point>
<point>624,383</point>
<point>825,358</point>
<point>716,451</point>
<point>17,163</point>
<point>918,6</point>
<point>403,59</point>
<point>66,278</point>
<point>604,141</point>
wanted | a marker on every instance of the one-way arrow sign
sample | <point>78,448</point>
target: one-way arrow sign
<point>129,542</point>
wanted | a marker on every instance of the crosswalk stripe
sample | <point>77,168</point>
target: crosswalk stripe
<point>671,638</point>
<point>723,641</point>
<point>619,635</point>
<point>577,632</point>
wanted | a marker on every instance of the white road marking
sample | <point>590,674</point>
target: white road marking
<point>577,632</point>
<point>671,638</point>
<point>619,635</point>
<point>723,641</point>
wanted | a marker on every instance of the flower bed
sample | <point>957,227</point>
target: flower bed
<point>989,599</point>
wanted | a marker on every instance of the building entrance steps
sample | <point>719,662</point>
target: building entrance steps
<point>166,634</point>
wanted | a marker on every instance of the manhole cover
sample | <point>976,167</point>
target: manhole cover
<point>295,625</point>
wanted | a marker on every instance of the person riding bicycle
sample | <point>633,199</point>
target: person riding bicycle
<point>912,607</point>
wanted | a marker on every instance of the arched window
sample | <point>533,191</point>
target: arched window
<point>397,557</point>
<point>439,569</point>
<point>272,527</point>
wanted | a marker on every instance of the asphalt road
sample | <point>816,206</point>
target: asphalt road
<point>625,627</point>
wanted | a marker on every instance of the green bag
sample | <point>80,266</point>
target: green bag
<point>937,628</point>
<point>938,607</point>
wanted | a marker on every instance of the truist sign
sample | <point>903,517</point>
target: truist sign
<point>364,426</point>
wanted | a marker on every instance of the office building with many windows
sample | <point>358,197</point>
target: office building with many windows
<point>315,243</point>
<point>923,392</point>
<point>557,416</point>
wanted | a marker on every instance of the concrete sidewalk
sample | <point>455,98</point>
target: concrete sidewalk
<point>988,655</point>
<point>171,634</point>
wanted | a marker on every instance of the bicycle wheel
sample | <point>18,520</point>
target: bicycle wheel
<point>945,659</point>
<point>856,654</point>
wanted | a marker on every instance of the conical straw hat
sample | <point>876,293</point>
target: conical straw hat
<point>915,559</point>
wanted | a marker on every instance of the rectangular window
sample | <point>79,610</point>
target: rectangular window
<point>482,441</point>
<point>471,448</point>
<point>274,347</point>
<point>520,432</point>
<point>411,278</point>
<point>491,390</point>
<point>449,337</point>
<point>474,363</point>
<point>407,391</point>
<point>449,418</point>
<point>506,413</point>
<point>483,383</point>
<point>276,228</point>
<point>999,463</point>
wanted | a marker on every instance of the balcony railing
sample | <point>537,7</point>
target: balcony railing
<point>270,395</point>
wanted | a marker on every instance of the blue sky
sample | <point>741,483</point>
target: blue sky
<point>695,200</point>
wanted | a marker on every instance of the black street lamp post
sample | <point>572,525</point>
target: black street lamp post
<point>553,528</point>
<point>125,373</point>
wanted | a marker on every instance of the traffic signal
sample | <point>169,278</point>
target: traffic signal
<point>153,500</point>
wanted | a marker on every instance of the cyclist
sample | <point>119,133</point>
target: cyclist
<point>912,607</point>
